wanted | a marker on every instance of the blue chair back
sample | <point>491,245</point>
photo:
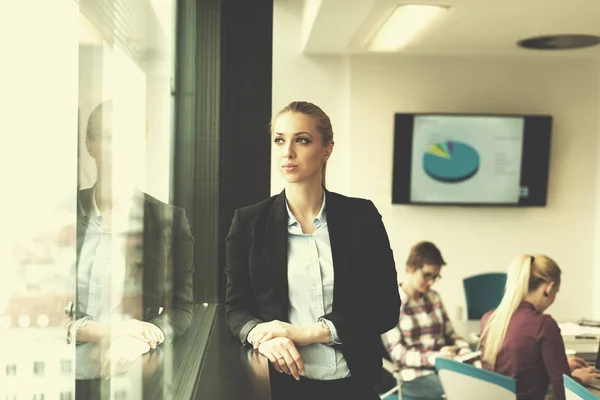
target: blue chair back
<point>465,382</point>
<point>483,293</point>
<point>574,391</point>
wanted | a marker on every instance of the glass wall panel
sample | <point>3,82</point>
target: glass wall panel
<point>97,265</point>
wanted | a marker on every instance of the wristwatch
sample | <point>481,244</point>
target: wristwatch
<point>326,326</point>
<point>80,324</point>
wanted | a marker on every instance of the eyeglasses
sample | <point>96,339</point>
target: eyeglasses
<point>429,276</point>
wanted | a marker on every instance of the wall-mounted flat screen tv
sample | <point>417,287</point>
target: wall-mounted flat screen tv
<point>468,159</point>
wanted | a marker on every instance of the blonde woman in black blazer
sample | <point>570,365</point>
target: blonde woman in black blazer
<point>311,281</point>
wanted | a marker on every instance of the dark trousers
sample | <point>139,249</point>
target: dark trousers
<point>285,387</point>
<point>92,389</point>
<point>428,387</point>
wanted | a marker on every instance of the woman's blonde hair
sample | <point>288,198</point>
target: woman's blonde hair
<point>322,121</point>
<point>525,274</point>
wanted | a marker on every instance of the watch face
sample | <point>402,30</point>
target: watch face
<point>326,326</point>
<point>80,324</point>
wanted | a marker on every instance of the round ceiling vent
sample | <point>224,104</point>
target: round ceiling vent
<point>560,42</point>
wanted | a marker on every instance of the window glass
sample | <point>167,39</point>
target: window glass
<point>92,241</point>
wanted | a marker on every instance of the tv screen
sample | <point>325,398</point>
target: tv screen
<point>466,159</point>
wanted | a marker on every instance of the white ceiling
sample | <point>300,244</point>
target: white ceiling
<point>469,27</point>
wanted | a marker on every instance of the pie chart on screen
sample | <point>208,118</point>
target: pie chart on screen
<point>451,161</point>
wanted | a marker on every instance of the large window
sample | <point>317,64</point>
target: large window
<point>129,126</point>
<point>67,62</point>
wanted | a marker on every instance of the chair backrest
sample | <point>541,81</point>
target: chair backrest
<point>465,382</point>
<point>574,391</point>
<point>483,293</point>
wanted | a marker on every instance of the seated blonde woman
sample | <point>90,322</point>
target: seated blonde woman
<point>519,341</point>
<point>424,331</point>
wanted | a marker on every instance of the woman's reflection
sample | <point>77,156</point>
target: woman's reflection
<point>134,256</point>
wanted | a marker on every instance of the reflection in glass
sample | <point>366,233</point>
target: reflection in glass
<point>11,370</point>
<point>134,263</point>
<point>38,368</point>
<point>66,367</point>
<point>72,57</point>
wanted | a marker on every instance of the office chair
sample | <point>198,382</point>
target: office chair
<point>395,392</point>
<point>483,292</point>
<point>391,381</point>
<point>575,391</point>
<point>391,390</point>
<point>465,382</point>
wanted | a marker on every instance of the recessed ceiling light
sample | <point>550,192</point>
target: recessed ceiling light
<point>402,26</point>
<point>559,42</point>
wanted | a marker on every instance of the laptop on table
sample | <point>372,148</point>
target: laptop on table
<point>593,359</point>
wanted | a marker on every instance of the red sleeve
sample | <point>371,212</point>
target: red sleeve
<point>484,321</point>
<point>553,355</point>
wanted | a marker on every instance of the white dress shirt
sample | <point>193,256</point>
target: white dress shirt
<point>101,273</point>
<point>310,284</point>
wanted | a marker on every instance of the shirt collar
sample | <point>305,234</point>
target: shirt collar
<point>403,295</point>
<point>90,209</point>
<point>94,212</point>
<point>321,216</point>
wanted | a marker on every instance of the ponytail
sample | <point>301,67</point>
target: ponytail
<point>517,287</point>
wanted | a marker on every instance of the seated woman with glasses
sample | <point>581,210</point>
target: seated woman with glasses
<point>424,330</point>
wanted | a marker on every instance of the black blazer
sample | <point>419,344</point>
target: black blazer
<point>160,257</point>
<point>366,302</point>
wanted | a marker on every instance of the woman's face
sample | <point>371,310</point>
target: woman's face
<point>298,148</point>
<point>423,278</point>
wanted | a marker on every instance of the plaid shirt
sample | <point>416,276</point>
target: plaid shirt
<point>423,329</point>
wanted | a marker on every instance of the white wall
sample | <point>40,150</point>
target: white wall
<point>320,80</point>
<point>361,95</point>
<point>596,264</point>
<point>475,240</point>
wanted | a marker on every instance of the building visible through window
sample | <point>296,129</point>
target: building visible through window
<point>38,368</point>
<point>66,396</point>
<point>11,370</point>
<point>66,367</point>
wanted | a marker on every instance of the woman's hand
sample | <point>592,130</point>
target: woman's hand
<point>284,356</point>
<point>121,352</point>
<point>141,330</point>
<point>447,352</point>
<point>464,350</point>
<point>576,362</point>
<point>301,336</point>
<point>586,374</point>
